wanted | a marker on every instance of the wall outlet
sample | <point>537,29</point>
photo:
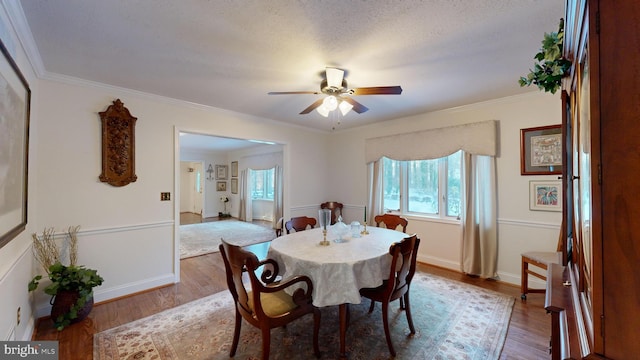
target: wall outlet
<point>165,196</point>
<point>18,316</point>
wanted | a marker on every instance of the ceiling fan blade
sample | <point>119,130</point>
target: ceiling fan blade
<point>312,107</point>
<point>357,107</point>
<point>292,92</point>
<point>334,77</point>
<point>377,90</point>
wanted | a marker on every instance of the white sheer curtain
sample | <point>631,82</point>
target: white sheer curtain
<point>278,188</point>
<point>245,197</point>
<point>374,186</point>
<point>479,236</point>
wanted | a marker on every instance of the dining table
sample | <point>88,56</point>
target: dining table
<point>338,270</point>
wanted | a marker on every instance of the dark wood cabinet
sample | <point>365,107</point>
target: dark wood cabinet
<point>594,298</point>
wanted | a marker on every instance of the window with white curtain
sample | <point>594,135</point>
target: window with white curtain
<point>423,187</point>
<point>262,184</point>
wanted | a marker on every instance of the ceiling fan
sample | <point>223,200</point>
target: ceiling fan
<point>338,95</point>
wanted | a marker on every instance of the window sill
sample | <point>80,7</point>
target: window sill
<point>451,221</point>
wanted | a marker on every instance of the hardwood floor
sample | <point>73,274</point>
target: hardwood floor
<point>527,337</point>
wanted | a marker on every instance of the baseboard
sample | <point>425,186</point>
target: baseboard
<point>445,264</point>
<point>534,283</point>
<point>120,291</point>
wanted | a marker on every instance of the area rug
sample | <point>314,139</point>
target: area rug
<point>453,320</point>
<point>204,238</point>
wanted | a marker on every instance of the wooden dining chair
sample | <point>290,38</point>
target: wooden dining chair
<point>391,221</point>
<point>265,304</point>
<point>396,286</point>
<point>300,223</point>
<point>335,207</point>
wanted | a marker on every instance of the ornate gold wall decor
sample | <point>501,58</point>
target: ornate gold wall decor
<point>118,145</point>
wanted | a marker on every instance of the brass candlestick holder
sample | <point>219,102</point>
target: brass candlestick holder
<point>324,241</point>
<point>364,231</point>
<point>324,216</point>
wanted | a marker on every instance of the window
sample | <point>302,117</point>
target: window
<point>262,184</point>
<point>423,187</point>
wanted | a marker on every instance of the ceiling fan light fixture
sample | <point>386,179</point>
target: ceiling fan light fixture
<point>345,107</point>
<point>330,103</point>
<point>334,77</point>
<point>323,111</point>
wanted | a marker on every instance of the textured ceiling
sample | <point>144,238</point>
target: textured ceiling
<point>230,53</point>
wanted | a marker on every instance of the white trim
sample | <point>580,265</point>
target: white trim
<point>533,224</point>
<point>515,279</point>
<point>119,291</point>
<point>124,228</point>
<point>12,267</point>
<point>443,263</point>
<point>304,208</point>
<point>24,35</point>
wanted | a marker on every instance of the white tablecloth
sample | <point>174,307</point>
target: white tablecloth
<point>340,270</point>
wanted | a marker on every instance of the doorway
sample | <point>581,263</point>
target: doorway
<point>191,187</point>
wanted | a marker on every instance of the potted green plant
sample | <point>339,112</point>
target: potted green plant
<point>71,287</point>
<point>551,67</point>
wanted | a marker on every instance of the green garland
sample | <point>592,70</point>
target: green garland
<point>551,67</point>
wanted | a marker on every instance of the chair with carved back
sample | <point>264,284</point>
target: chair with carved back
<point>265,304</point>
<point>335,207</point>
<point>300,223</point>
<point>391,221</point>
<point>396,286</point>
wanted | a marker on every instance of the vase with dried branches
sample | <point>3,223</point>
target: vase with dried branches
<point>71,287</point>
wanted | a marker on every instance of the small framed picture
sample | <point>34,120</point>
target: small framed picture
<point>234,169</point>
<point>221,172</point>
<point>545,195</point>
<point>221,186</point>
<point>541,150</point>
<point>234,185</point>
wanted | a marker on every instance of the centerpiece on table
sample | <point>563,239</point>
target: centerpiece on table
<point>71,287</point>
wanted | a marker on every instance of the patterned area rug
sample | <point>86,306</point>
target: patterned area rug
<point>453,320</point>
<point>204,238</point>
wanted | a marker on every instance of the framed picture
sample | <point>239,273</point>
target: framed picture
<point>14,144</point>
<point>541,150</point>
<point>234,185</point>
<point>221,172</point>
<point>545,195</point>
<point>221,186</point>
<point>234,169</point>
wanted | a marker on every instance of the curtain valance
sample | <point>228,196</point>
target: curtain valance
<point>475,138</point>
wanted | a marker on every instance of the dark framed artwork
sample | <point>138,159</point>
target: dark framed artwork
<point>14,148</point>
<point>234,169</point>
<point>541,150</point>
<point>221,186</point>
<point>221,172</point>
<point>545,195</point>
<point>234,185</point>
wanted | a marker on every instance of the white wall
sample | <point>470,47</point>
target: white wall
<point>126,233</point>
<point>519,228</point>
<point>16,261</point>
<point>212,205</point>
